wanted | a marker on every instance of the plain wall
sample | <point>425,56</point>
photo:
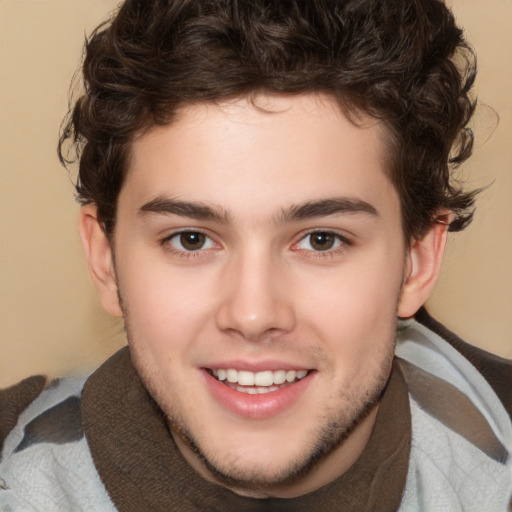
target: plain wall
<point>50,319</point>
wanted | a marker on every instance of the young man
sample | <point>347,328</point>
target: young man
<point>266,190</point>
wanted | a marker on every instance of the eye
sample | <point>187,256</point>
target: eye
<point>190,241</point>
<point>321,241</point>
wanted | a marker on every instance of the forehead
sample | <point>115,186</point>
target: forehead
<point>262,152</point>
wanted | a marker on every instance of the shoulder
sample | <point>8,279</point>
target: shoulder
<point>35,412</point>
<point>46,462</point>
<point>461,403</point>
<point>15,399</point>
<point>496,370</point>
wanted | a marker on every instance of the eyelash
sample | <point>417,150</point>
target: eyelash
<point>343,244</point>
<point>183,253</point>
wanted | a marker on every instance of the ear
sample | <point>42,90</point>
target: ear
<point>99,259</point>
<point>423,266</point>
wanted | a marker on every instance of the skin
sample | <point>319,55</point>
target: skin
<point>258,290</point>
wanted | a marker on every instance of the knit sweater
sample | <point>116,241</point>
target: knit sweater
<point>442,442</point>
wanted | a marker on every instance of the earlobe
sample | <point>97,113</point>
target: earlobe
<point>98,253</point>
<point>422,270</point>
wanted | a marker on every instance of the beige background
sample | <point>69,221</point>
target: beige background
<point>50,319</point>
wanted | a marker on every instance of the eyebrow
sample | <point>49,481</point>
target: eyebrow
<point>193,210</point>
<point>302,211</point>
<point>326,207</point>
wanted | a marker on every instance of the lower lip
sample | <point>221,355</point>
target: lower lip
<point>259,406</point>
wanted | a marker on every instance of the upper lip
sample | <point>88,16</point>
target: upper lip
<point>253,366</point>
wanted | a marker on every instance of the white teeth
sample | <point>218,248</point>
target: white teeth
<point>257,391</point>
<point>290,376</point>
<point>245,378</point>
<point>301,374</point>
<point>264,379</point>
<point>232,375</point>
<point>280,377</point>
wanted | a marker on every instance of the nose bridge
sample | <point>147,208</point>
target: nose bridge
<point>255,302</point>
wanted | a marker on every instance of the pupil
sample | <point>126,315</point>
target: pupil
<point>322,241</point>
<point>192,241</point>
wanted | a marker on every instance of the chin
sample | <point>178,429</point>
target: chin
<point>263,470</point>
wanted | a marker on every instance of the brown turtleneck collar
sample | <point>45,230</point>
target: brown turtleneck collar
<point>142,469</point>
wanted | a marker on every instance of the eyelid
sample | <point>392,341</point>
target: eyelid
<point>345,240</point>
<point>343,236</point>
<point>165,241</point>
<point>186,229</point>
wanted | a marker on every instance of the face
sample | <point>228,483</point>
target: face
<point>259,260</point>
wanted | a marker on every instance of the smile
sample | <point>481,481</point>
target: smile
<point>258,395</point>
<point>257,383</point>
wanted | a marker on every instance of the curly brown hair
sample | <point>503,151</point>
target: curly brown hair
<point>405,63</point>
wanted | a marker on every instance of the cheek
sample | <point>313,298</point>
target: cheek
<point>165,307</point>
<point>355,309</point>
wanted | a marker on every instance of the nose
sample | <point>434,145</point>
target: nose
<point>256,302</point>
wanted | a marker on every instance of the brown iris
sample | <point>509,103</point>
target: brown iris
<point>192,241</point>
<point>322,241</point>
